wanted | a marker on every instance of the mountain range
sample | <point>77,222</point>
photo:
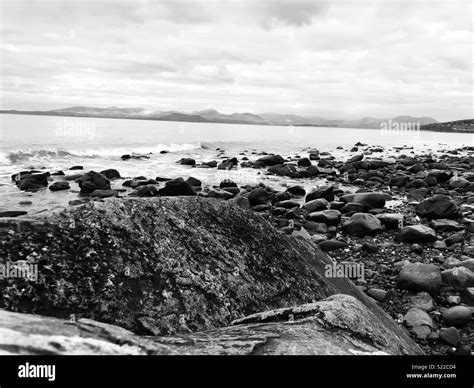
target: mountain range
<point>213,116</point>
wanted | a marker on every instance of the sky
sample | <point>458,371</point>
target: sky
<point>337,59</point>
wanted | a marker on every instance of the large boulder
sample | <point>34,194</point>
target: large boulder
<point>438,206</point>
<point>160,266</point>
<point>362,224</point>
<point>420,277</point>
<point>416,234</point>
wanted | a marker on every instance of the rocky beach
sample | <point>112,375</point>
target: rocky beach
<point>365,252</point>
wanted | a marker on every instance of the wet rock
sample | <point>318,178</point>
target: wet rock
<point>260,196</point>
<point>419,322</point>
<point>440,175</point>
<point>316,205</point>
<point>242,202</point>
<point>145,191</point>
<point>187,161</point>
<point>454,300</point>
<point>355,158</point>
<point>232,190</point>
<point>438,206</point>
<point>468,296</point>
<point>458,182</point>
<point>370,200</point>
<point>418,194</point>
<point>445,225</point>
<point>270,160</point>
<point>326,192</point>
<point>92,181</point>
<point>297,191</point>
<point>377,294</point>
<point>227,183</point>
<point>77,168</point>
<point>420,277</point>
<point>304,162</point>
<point>329,217</point>
<point>391,220</point>
<point>353,207</point>
<point>454,239</point>
<point>194,181</point>
<point>73,177</point>
<point>459,278</point>
<point>362,224</point>
<point>416,234</point>
<point>422,301</point>
<point>288,204</point>
<point>332,245</point>
<point>316,227</point>
<point>450,336</point>
<point>12,213</point>
<point>176,187</point>
<point>111,174</point>
<point>31,181</point>
<point>104,193</point>
<point>61,185</point>
<point>225,165</point>
<point>219,193</point>
<point>282,170</point>
<point>440,245</point>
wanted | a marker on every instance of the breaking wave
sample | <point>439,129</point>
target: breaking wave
<point>10,157</point>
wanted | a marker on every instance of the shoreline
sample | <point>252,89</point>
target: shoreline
<point>425,233</point>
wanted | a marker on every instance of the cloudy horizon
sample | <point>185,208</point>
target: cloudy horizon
<point>333,59</point>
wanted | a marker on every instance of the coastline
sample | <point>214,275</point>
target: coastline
<point>437,127</point>
<point>401,221</point>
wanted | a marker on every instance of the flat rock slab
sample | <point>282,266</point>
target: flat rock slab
<point>338,325</point>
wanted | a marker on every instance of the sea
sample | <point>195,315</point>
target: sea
<point>53,143</point>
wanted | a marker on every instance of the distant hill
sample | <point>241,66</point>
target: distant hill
<point>214,116</point>
<point>451,126</point>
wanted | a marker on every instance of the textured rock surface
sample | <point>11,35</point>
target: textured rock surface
<point>340,324</point>
<point>165,265</point>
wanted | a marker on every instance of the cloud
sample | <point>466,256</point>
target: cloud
<point>291,13</point>
<point>333,58</point>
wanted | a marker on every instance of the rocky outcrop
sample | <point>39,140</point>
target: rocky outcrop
<point>160,266</point>
<point>337,325</point>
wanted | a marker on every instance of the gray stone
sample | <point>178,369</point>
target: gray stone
<point>362,224</point>
<point>416,234</point>
<point>420,277</point>
<point>457,316</point>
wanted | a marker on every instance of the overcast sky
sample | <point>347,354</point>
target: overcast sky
<point>343,59</point>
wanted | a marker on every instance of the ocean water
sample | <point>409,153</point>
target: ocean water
<point>57,143</point>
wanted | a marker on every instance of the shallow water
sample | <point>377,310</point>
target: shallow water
<point>57,143</point>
